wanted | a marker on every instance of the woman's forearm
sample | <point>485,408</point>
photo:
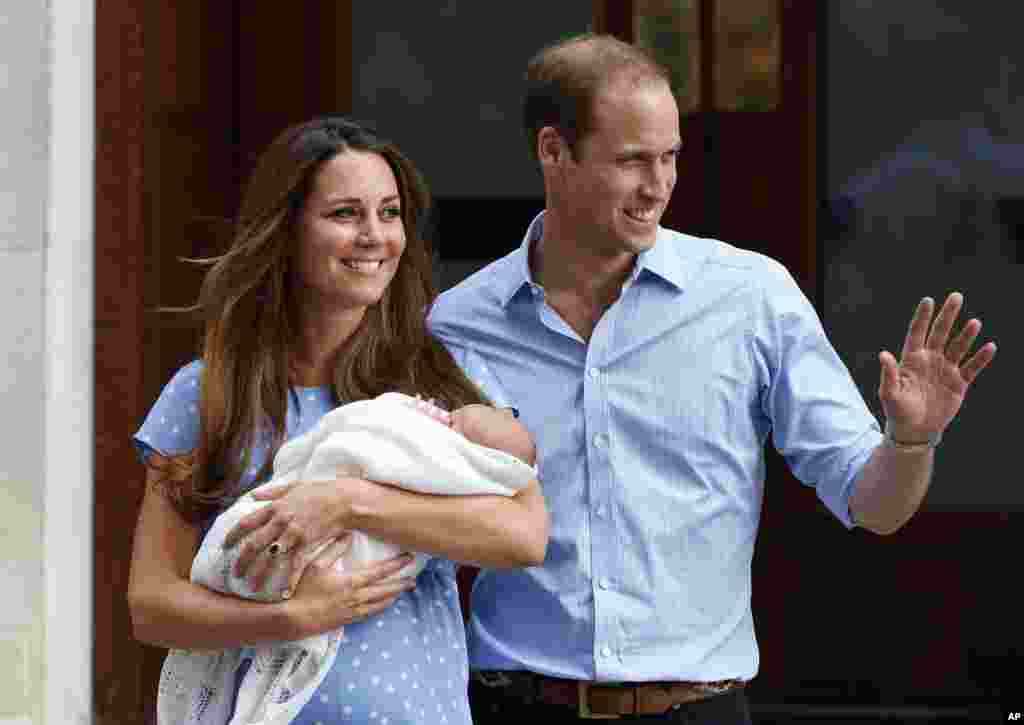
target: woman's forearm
<point>169,610</point>
<point>487,530</point>
<point>184,615</point>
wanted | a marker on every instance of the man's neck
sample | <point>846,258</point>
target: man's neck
<point>578,283</point>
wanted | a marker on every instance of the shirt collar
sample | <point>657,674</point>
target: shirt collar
<point>520,276</point>
<point>670,258</point>
<point>667,259</point>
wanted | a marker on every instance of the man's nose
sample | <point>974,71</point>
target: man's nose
<point>660,180</point>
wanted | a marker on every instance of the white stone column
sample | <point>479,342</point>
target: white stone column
<point>68,403</point>
<point>46,196</point>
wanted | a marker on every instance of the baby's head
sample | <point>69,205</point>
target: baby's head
<point>483,425</point>
<point>495,428</point>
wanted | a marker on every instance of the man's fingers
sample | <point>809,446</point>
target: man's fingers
<point>978,362</point>
<point>939,335</point>
<point>890,374</point>
<point>957,349</point>
<point>918,327</point>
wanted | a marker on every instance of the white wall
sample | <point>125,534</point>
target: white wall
<point>46,82</point>
<point>24,128</point>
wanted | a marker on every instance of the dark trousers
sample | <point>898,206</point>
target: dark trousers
<point>490,706</point>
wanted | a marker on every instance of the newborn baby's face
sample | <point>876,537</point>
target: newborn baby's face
<point>495,428</point>
<point>484,425</point>
<point>470,420</point>
<point>476,421</point>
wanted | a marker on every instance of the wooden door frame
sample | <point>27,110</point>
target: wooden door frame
<point>120,231</point>
<point>143,53</point>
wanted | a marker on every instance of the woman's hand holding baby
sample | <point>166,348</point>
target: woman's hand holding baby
<point>302,521</point>
<point>328,597</point>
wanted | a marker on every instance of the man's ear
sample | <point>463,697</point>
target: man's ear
<point>551,147</point>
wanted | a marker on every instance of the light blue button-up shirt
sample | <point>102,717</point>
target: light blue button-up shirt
<point>650,450</point>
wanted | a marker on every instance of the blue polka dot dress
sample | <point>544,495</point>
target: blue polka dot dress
<point>405,665</point>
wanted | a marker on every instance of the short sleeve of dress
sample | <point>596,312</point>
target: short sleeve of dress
<point>172,425</point>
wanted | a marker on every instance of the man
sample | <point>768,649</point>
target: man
<point>651,366</point>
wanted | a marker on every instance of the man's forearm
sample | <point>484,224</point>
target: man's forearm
<point>890,487</point>
<point>487,530</point>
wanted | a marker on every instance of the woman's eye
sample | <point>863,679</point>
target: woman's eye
<point>392,212</point>
<point>345,212</point>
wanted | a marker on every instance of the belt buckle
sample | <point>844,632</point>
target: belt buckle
<point>492,678</point>
<point>583,704</point>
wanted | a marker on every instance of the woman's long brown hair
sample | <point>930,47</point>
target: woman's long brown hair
<point>250,310</point>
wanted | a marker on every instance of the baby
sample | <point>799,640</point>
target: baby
<point>396,439</point>
<point>391,439</point>
<point>486,426</point>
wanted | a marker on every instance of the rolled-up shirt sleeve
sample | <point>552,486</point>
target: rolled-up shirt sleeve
<point>820,422</point>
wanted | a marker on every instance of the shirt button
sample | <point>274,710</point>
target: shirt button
<point>600,440</point>
<point>606,651</point>
<point>600,512</point>
<point>603,582</point>
<point>594,372</point>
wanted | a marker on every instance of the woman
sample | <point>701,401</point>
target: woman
<point>320,301</point>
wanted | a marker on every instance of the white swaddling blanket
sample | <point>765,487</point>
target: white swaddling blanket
<point>383,440</point>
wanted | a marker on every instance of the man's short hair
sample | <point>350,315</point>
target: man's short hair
<point>563,79</point>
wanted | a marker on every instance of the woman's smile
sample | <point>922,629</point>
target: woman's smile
<point>364,266</point>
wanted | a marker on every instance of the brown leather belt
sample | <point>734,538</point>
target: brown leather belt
<point>603,699</point>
